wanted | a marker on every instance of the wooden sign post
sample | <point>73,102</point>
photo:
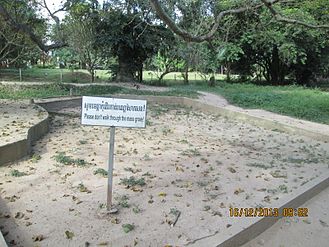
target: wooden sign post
<point>111,112</point>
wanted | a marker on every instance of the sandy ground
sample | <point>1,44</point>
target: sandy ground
<point>16,117</point>
<point>195,166</point>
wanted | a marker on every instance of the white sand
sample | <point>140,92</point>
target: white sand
<point>196,163</point>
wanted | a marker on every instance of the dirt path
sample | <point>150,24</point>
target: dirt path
<point>217,100</point>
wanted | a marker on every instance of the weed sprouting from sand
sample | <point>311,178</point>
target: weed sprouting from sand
<point>191,152</point>
<point>64,159</point>
<point>123,201</point>
<point>35,158</point>
<point>133,181</point>
<point>83,188</point>
<point>17,173</point>
<point>128,227</point>
<point>136,209</point>
<point>258,165</point>
<point>83,142</point>
<point>101,171</point>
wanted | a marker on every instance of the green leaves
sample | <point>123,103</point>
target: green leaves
<point>128,227</point>
<point>229,52</point>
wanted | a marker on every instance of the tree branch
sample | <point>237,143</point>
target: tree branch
<point>277,16</point>
<point>155,4</point>
<point>25,29</point>
<point>200,38</point>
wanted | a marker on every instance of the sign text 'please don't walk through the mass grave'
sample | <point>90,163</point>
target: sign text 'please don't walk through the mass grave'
<point>113,112</point>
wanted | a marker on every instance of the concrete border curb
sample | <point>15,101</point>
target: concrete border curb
<point>2,241</point>
<point>256,226</point>
<point>18,149</point>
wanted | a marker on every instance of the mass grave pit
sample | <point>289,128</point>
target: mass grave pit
<point>184,161</point>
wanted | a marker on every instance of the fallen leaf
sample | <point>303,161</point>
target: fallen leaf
<point>103,243</point>
<point>231,169</point>
<point>278,174</point>
<point>115,221</point>
<point>238,191</point>
<point>19,215</point>
<point>38,238</point>
<point>323,223</point>
<point>163,194</point>
<point>179,169</point>
<point>69,235</point>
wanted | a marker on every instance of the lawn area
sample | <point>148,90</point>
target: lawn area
<point>52,75</point>
<point>82,76</point>
<point>57,90</point>
<point>295,101</point>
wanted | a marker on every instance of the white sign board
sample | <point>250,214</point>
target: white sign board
<point>113,112</point>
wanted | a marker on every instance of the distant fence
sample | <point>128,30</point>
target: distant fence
<point>82,76</point>
<point>50,75</point>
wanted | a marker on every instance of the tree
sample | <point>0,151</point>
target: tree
<point>129,37</point>
<point>80,25</point>
<point>219,15</point>
<point>15,47</point>
<point>166,61</point>
<point>276,51</point>
<point>26,26</point>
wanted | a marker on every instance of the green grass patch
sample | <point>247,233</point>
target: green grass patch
<point>132,181</point>
<point>295,101</point>
<point>128,227</point>
<point>101,171</point>
<point>35,158</point>
<point>17,173</point>
<point>64,159</point>
<point>58,90</point>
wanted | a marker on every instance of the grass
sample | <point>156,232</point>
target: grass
<point>53,75</point>
<point>17,173</point>
<point>82,188</point>
<point>132,181</point>
<point>101,171</point>
<point>295,101</point>
<point>123,201</point>
<point>82,76</point>
<point>57,90</point>
<point>191,152</point>
<point>62,158</point>
<point>128,227</point>
<point>35,158</point>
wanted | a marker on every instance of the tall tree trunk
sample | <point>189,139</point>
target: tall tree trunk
<point>228,71</point>
<point>92,73</point>
<point>185,74</point>
<point>140,73</point>
<point>126,70</point>
<point>275,66</point>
